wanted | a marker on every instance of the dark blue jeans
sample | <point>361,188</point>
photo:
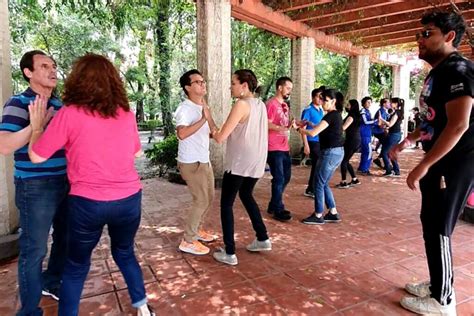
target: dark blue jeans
<point>391,140</point>
<point>41,203</point>
<point>280,168</point>
<point>86,221</point>
<point>328,162</point>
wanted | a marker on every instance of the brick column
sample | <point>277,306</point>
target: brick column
<point>401,89</point>
<point>214,61</point>
<point>358,77</point>
<point>8,211</point>
<point>302,74</point>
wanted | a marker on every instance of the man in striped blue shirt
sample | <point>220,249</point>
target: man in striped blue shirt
<point>40,189</point>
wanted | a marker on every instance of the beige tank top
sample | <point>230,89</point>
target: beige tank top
<point>247,145</point>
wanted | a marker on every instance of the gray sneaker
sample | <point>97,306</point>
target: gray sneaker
<point>418,289</point>
<point>256,245</point>
<point>221,256</point>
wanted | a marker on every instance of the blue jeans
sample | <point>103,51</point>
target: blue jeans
<point>280,168</point>
<point>41,203</point>
<point>365,153</point>
<point>86,221</point>
<point>391,140</point>
<point>328,162</point>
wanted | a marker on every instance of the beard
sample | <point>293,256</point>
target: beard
<point>430,56</point>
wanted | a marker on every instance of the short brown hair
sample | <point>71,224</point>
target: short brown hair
<point>95,85</point>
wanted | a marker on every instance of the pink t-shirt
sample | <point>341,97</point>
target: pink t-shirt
<point>100,152</point>
<point>279,114</point>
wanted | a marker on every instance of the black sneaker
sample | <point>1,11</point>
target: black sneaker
<point>396,175</point>
<point>332,218</point>
<point>365,173</point>
<point>282,216</point>
<point>355,182</point>
<point>271,212</point>
<point>313,220</point>
<point>53,293</point>
<point>387,174</point>
<point>343,185</point>
<point>309,194</point>
<point>378,163</point>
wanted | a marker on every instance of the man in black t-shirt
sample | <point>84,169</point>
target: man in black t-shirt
<point>446,173</point>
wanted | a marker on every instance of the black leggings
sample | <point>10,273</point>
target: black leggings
<point>231,185</point>
<point>350,148</point>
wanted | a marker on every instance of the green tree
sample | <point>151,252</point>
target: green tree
<point>332,70</point>
<point>380,81</point>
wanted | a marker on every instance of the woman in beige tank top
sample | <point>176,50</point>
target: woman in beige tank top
<point>246,132</point>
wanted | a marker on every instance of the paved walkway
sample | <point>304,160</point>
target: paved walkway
<point>357,267</point>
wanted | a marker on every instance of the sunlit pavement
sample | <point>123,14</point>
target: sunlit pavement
<point>356,267</point>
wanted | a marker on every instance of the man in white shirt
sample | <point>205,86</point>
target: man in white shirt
<point>193,127</point>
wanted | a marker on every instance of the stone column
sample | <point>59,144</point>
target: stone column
<point>8,211</point>
<point>401,89</point>
<point>358,77</point>
<point>302,74</point>
<point>214,61</point>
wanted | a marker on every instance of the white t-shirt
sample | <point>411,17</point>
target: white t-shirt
<point>194,148</point>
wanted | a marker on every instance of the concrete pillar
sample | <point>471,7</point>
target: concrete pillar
<point>214,61</point>
<point>401,89</point>
<point>358,77</point>
<point>302,74</point>
<point>8,211</point>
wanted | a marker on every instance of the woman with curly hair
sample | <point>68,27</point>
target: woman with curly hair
<point>100,136</point>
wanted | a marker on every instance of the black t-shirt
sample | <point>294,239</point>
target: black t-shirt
<point>352,132</point>
<point>332,136</point>
<point>452,78</point>
<point>396,127</point>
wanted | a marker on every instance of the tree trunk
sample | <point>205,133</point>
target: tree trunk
<point>162,44</point>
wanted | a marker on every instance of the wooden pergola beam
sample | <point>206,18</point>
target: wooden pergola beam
<point>397,19</point>
<point>292,5</point>
<point>382,30</point>
<point>392,36</point>
<point>378,12</point>
<point>256,13</point>
<point>333,8</point>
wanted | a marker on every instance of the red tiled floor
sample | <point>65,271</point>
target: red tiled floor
<point>356,267</point>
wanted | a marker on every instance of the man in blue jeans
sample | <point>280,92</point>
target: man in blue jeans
<point>279,158</point>
<point>41,189</point>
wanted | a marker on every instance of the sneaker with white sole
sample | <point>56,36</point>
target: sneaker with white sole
<point>195,247</point>
<point>428,306</point>
<point>418,289</point>
<point>221,256</point>
<point>256,245</point>
<point>53,293</point>
<point>205,236</point>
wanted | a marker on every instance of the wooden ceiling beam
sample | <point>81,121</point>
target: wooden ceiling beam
<point>333,8</point>
<point>382,30</point>
<point>397,19</point>
<point>293,5</point>
<point>374,13</point>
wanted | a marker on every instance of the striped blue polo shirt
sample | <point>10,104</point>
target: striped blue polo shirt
<point>15,117</point>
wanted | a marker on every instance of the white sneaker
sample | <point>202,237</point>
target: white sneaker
<point>428,306</point>
<point>221,256</point>
<point>256,245</point>
<point>145,310</point>
<point>418,289</point>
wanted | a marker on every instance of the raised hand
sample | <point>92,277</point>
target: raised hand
<point>39,115</point>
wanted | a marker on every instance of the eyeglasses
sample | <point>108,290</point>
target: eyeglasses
<point>424,34</point>
<point>199,82</point>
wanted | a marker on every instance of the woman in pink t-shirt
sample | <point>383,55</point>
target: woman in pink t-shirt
<point>99,134</point>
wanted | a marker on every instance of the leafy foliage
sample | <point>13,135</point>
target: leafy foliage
<point>380,81</point>
<point>332,70</point>
<point>163,154</point>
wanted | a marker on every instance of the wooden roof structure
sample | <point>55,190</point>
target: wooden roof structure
<point>351,27</point>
